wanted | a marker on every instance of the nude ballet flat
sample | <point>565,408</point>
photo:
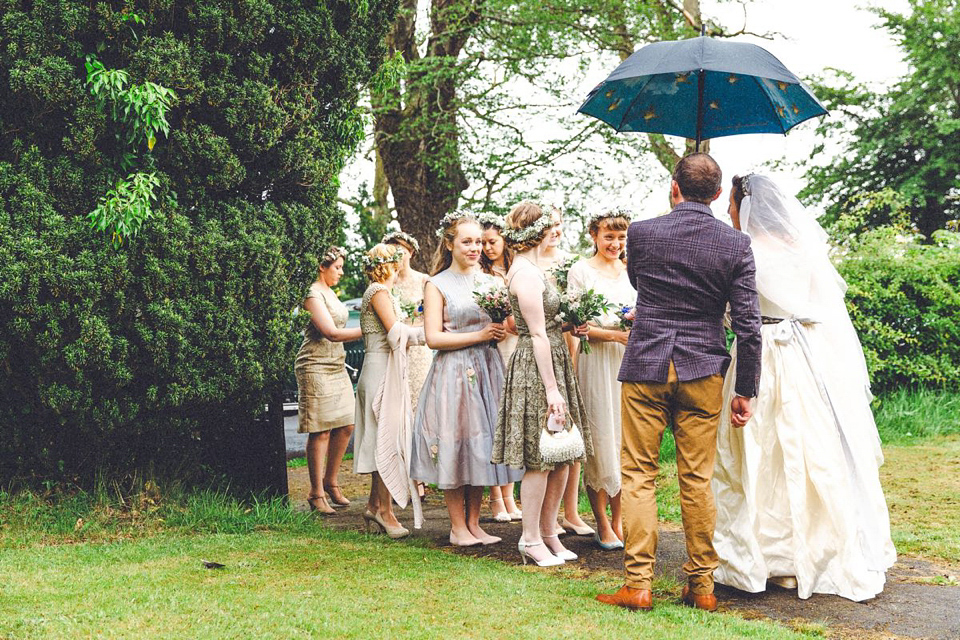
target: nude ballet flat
<point>584,530</point>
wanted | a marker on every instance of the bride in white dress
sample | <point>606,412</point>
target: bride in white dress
<point>797,489</point>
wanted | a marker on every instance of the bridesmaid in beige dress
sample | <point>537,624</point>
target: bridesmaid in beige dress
<point>495,261</point>
<point>597,371</point>
<point>324,390</point>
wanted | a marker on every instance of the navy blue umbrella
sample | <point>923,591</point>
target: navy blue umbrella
<point>702,88</point>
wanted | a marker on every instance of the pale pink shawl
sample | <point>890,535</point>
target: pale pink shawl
<point>391,408</point>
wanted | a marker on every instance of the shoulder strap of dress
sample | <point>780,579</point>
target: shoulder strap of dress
<point>536,268</point>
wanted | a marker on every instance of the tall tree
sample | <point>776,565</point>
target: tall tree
<point>907,138</point>
<point>481,73</point>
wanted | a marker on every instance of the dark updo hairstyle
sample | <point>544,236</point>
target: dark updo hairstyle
<point>699,178</point>
<point>739,192</point>
<point>520,217</point>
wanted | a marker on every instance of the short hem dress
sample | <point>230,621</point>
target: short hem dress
<point>325,399</point>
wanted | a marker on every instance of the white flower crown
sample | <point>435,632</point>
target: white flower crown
<point>332,254</point>
<point>605,215</point>
<point>452,217</point>
<point>487,219</point>
<point>533,230</point>
<point>403,237</point>
<point>371,262</point>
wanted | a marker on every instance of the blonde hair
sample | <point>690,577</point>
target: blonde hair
<point>443,256</point>
<point>381,262</point>
<point>521,216</point>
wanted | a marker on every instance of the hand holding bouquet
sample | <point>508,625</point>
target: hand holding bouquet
<point>625,314</point>
<point>493,297</point>
<point>581,307</point>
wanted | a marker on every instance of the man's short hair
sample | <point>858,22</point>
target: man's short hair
<point>699,177</point>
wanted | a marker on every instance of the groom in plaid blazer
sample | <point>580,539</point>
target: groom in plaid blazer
<point>686,267</point>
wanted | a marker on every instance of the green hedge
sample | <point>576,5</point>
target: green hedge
<point>116,360</point>
<point>904,299</point>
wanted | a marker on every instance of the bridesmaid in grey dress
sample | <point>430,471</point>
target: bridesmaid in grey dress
<point>457,412</point>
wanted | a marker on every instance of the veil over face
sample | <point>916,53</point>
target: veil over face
<point>794,271</point>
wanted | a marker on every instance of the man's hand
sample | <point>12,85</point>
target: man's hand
<point>741,410</point>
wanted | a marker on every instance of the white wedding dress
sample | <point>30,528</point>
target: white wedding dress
<point>798,489</point>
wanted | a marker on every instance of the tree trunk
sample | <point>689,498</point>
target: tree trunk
<point>416,129</point>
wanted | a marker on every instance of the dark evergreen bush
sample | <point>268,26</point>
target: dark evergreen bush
<point>119,359</point>
<point>904,300</point>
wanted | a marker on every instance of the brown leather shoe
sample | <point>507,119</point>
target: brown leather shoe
<point>707,602</point>
<point>629,598</point>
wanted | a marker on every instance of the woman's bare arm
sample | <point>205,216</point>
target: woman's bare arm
<point>321,319</point>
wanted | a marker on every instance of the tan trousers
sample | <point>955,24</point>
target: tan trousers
<point>647,409</point>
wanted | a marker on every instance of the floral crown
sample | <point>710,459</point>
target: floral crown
<point>488,219</point>
<point>332,254</point>
<point>606,215</point>
<point>452,217</point>
<point>534,229</point>
<point>404,237</point>
<point>369,262</point>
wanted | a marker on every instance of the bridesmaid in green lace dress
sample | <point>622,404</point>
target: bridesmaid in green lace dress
<point>540,380</point>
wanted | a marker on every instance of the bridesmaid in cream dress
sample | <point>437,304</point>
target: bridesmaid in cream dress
<point>495,261</point>
<point>324,390</point>
<point>378,313</point>
<point>410,287</point>
<point>597,371</point>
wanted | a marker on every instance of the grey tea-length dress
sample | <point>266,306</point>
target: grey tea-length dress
<point>457,411</point>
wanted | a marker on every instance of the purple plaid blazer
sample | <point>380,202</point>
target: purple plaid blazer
<point>686,266</point>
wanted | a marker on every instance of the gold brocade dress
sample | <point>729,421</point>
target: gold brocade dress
<point>325,393</point>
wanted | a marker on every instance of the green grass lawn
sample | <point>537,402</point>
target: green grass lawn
<point>135,571</point>
<point>111,565</point>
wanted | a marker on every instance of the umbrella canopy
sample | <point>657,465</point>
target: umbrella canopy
<point>702,88</point>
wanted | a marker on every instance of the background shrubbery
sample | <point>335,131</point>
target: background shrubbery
<point>158,352</point>
<point>904,300</point>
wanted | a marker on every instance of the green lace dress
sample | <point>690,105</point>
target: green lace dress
<point>523,405</point>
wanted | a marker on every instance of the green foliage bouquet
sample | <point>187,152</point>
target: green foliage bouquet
<point>580,307</point>
<point>561,271</point>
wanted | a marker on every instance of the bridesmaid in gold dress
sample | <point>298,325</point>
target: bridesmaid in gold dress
<point>325,393</point>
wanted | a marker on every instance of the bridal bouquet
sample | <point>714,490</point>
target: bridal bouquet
<point>580,307</point>
<point>493,297</point>
<point>625,323</point>
<point>561,271</point>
